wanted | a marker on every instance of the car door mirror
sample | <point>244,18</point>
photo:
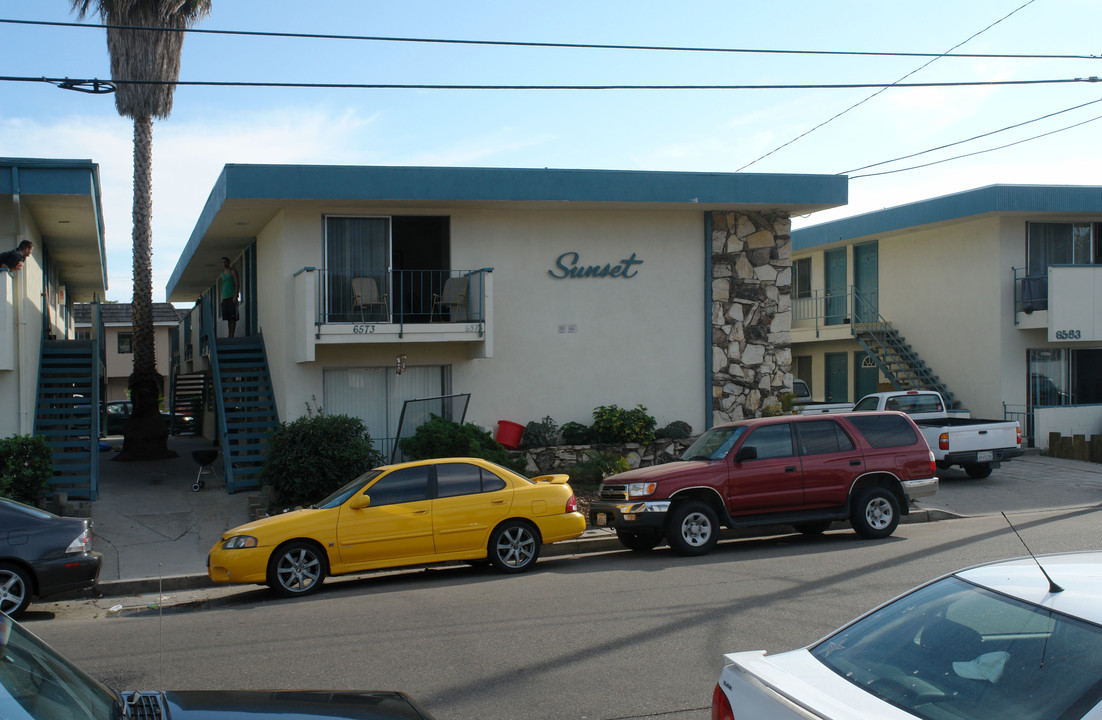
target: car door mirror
<point>359,502</point>
<point>747,452</point>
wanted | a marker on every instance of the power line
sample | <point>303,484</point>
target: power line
<point>554,45</point>
<point>870,97</point>
<point>975,137</point>
<point>978,152</point>
<point>81,83</point>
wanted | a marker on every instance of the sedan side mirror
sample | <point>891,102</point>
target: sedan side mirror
<point>746,452</point>
<point>359,502</point>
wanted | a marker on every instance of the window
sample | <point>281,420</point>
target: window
<point>1057,244</point>
<point>401,486</point>
<point>126,343</point>
<point>914,404</point>
<point>801,280</point>
<point>1065,377</point>
<point>714,444</point>
<point>885,431</point>
<point>84,334</point>
<point>463,479</point>
<point>818,437</point>
<point>772,441</point>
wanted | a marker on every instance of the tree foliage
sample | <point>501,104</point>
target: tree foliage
<point>26,466</point>
<point>439,438</point>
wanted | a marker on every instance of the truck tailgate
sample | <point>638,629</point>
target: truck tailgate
<point>975,438</point>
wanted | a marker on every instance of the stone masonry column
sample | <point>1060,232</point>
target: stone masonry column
<point>751,313</point>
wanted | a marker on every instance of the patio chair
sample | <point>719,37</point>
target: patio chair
<point>365,294</point>
<point>453,297</point>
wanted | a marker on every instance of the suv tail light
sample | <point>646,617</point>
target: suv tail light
<point>572,504</point>
<point>721,706</point>
<point>933,464</point>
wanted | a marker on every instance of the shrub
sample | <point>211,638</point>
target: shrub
<point>786,406</point>
<point>26,466</point>
<point>596,468</point>
<point>311,457</point>
<point>540,434</point>
<point>614,425</point>
<point>677,430</point>
<point>439,438</point>
<point>574,433</point>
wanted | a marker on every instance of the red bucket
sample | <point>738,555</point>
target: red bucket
<point>509,434</point>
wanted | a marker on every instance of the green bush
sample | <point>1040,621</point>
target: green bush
<point>574,433</point>
<point>26,466</point>
<point>439,438</point>
<point>540,434</point>
<point>596,468</point>
<point>677,430</point>
<point>615,425</point>
<point>311,457</point>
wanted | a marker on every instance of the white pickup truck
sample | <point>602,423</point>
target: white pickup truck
<point>806,406</point>
<point>976,445</point>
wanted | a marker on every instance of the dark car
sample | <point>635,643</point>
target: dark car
<point>42,554</point>
<point>118,412</point>
<point>36,682</point>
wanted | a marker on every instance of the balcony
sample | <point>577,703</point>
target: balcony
<point>1062,301</point>
<point>434,306</point>
<point>826,316</point>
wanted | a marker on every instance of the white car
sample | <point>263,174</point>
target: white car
<point>999,640</point>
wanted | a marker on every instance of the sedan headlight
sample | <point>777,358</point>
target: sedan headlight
<point>641,489</point>
<point>239,541</point>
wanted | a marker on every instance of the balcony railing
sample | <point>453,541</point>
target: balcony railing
<point>822,310</point>
<point>402,297</point>
<point>1030,292</point>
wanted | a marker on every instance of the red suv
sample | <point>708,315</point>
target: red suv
<point>801,470</point>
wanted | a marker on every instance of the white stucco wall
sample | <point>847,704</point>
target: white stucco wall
<point>635,340</point>
<point>19,385</point>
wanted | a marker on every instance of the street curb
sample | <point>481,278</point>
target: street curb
<point>592,541</point>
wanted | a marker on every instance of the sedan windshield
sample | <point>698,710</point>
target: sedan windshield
<point>714,444</point>
<point>348,490</point>
<point>36,682</point>
<point>955,650</point>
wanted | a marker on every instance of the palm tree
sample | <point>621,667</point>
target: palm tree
<point>144,55</point>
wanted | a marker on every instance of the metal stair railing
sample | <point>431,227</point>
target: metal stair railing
<point>207,336</point>
<point>886,347</point>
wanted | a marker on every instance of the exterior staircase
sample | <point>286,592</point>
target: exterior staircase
<point>896,359</point>
<point>67,413</point>
<point>245,407</point>
<point>187,396</point>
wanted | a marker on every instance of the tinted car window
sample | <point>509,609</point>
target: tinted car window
<point>884,431</point>
<point>491,482</point>
<point>866,404</point>
<point>458,479</point>
<point>914,404</point>
<point>818,437</point>
<point>772,441</point>
<point>401,486</point>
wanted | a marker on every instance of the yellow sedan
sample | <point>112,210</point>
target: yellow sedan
<point>427,511</point>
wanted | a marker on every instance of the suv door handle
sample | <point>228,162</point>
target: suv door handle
<point>854,462</point>
<point>790,468</point>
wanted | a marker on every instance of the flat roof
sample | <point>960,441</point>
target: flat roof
<point>989,200</point>
<point>246,197</point>
<point>63,197</point>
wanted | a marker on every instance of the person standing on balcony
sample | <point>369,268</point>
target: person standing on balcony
<point>13,259</point>
<point>231,291</point>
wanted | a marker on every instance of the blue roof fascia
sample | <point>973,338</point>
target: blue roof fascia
<point>959,206</point>
<point>440,184</point>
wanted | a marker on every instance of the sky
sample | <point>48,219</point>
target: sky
<point>711,130</point>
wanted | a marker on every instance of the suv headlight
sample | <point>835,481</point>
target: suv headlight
<point>239,541</point>
<point>641,489</point>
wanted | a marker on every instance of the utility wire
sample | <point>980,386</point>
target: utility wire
<point>974,137</point>
<point>884,89</point>
<point>82,83</point>
<point>978,152</point>
<point>562,45</point>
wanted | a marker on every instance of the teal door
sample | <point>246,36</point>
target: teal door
<point>834,284</point>
<point>866,282</point>
<point>866,375</point>
<point>837,385</point>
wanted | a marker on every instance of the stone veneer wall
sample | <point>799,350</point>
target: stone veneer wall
<point>751,313</point>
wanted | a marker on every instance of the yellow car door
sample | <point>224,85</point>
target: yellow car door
<point>470,501</point>
<point>396,524</point>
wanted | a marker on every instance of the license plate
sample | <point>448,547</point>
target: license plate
<point>602,519</point>
<point>986,456</point>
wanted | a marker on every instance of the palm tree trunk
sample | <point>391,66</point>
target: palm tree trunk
<point>145,436</point>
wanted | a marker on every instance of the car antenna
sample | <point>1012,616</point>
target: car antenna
<point>1052,586</point>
